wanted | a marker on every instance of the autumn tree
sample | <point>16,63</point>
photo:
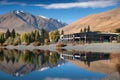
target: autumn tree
<point>24,38</point>
<point>54,36</point>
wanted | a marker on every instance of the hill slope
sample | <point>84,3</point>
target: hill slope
<point>25,22</point>
<point>105,22</point>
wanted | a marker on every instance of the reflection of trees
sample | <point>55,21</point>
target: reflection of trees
<point>36,57</point>
<point>10,55</point>
<point>27,57</point>
<point>53,58</point>
<point>1,55</point>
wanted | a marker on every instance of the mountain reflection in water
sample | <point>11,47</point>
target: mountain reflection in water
<point>17,62</point>
<point>48,65</point>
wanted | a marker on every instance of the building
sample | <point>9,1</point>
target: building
<point>88,36</point>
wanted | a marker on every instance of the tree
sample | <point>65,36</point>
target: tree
<point>9,41</point>
<point>2,37</point>
<point>62,32</point>
<point>81,30</point>
<point>17,40</point>
<point>7,34</point>
<point>54,36</point>
<point>84,29</point>
<point>118,30</point>
<point>118,38</point>
<point>13,33</point>
<point>44,35</point>
<point>37,36</point>
<point>88,28</point>
<point>24,38</point>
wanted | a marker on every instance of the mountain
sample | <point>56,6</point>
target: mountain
<point>26,22</point>
<point>104,22</point>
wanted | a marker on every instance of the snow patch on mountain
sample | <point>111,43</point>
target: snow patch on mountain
<point>43,17</point>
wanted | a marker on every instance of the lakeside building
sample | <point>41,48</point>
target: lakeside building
<point>88,36</point>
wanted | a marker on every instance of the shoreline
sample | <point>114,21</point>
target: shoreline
<point>93,47</point>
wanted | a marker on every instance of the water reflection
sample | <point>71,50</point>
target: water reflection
<point>86,57</point>
<point>70,65</point>
<point>17,62</point>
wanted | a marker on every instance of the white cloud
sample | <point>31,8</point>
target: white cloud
<point>57,79</point>
<point>79,4</point>
<point>87,4</point>
<point>11,3</point>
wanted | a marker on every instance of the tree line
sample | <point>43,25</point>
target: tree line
<point>42,36</point>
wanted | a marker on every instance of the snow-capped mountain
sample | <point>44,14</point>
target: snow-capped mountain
<point>25,22</point>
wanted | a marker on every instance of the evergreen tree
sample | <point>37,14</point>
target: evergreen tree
<point>81,30</point>
<point>7,34</point>
<point>42,33</point>
<point>84,29</point>
<point>62,32</point>
<point>13,33</point>
<point>118,30</point>
<point>37,35</point>
<point>118,38</point>
<point>1,37</point>
<point>88,28</point>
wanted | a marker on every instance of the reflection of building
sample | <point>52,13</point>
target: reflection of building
<point>87,57</point>
<point>87,37</point>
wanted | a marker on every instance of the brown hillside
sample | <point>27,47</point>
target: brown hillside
<point>105,22</point>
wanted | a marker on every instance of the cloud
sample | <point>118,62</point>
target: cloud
<point>79,4</point>
<point>11,3</point>
<point>87,4</point>
<point>57,79</point>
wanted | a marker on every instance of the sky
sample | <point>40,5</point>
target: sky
<point>64,10</point>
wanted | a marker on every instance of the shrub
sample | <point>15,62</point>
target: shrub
<point>46,41</point>
<point>61,45</point>
<point>36,43</point>
<point>25,43</point>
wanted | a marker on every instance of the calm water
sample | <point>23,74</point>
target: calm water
<point>64,65</point>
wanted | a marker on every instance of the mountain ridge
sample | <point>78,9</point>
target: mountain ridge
<point>105,22</point>
<point>25,22</point>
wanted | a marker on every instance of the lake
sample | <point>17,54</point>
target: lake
<point>58,65</point>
